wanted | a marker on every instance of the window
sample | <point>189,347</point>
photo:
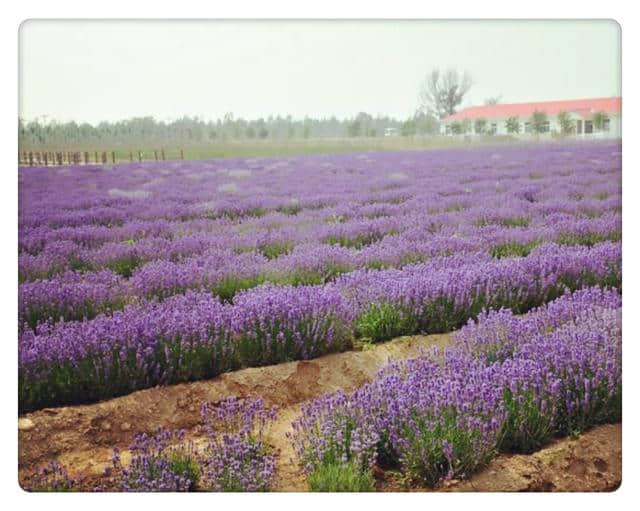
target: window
<point>527,127</point>
<point>545,128</point>
<point>606,124</point>
<point>588,126</point>
<point>494,128</point>
<point>579,126</point>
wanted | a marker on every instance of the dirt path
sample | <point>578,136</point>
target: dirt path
<point>82,437</point>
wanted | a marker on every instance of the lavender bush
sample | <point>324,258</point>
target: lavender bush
<point>163,462</point>
<point>509,383</point>
<point>51,477</point>
<point>236,458</point>
<point>376,245</point>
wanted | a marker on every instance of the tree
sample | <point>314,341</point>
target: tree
<point>599,119</point>
<point>513,124</point>
<point>480,125</point>
<point>408,128</point>
<point>441,93</point>
<point>354,128</point>
<point>456,127</point>
<point>566,123</point>
<point>539,122</point>
<point>494,100</point>
<point>426,123</point>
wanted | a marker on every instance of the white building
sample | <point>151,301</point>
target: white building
<point>514,118</point>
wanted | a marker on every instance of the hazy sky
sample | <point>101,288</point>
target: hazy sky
<point>109,70</point>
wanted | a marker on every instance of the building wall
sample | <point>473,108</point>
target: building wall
<point>615,127</point>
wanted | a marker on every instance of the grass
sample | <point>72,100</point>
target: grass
<point>344,477</point>
<point>274,147</point>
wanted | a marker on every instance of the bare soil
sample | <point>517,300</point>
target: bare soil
<point>82,437</point>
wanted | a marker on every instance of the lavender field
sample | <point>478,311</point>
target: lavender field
<point>138,275</point>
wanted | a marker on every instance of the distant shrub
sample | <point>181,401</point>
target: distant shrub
<point>513,125</point>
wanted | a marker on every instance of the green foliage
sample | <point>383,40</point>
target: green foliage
<point>41,312</point>
<point>567,125</point>
<point>94,378</point>
<point>526,427</point>
<point>587,239</point>
<point>227,288</point>
<point>384,321</point>
<point>513,249</point>
<point>304,277</point>
<point>513,125</point>
<point>480,126</point>
<point>599,119</point>
<point>185,465</point>
<point>356,242</point>
<point>539,123</point>
<point>276,249</point>
<point>408,128</point>
<point>425,459</point>
<point>257,347</point>
<point>292,209</point>
<point>125,265</point>
<point>515,222</point>
<point>343,477</point>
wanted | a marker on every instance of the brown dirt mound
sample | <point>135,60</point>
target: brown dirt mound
<point>82,437</point>
<point>591,462</point>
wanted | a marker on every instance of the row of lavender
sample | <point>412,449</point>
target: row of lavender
<point>509,384</point>
<point>234,457</point>
<point>195,336</point>
<point>162,231</point>
<point>353,185</point>
<point>44,254</point>
<point>77,295</point>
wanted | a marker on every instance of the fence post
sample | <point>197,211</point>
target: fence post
<point>181,154</point>
<point>86,157</point>
<point>113,156</point>
<point>155,154</point>
<point>162,153</point>
<point>46,159</point>
<point>30,159</point>
<point>104,157</point>
<point>140,156</point>
<point>131,156</point>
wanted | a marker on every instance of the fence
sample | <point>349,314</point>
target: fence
<point>47,158</point>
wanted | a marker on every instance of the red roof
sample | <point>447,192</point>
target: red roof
<point>582,106</point>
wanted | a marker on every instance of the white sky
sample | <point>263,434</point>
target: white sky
<point>110,70</point>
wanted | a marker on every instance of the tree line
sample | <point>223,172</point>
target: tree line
<point>439,95</point>
<point>186,131</point>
